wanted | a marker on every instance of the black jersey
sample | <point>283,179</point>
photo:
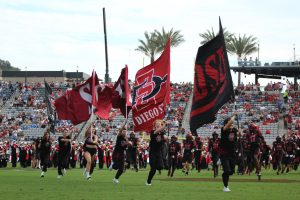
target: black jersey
<point>64,146</point>
<point>45,146</point>
<point>121,144</point>
<point>156,141</point>
<point>228,141</point>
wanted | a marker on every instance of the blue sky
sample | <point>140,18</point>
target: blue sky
<point>63,34</point>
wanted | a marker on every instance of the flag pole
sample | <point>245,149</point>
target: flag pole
<point>237,116</point>
<point>91,120</point>
<point>126,116</point>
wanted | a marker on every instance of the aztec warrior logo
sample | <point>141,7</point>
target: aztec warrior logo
<point>147,88</point>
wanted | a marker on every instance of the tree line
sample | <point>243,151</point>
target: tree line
<point>6,66</point>
<point>154,42</point>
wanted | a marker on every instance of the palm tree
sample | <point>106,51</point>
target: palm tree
<point>242,46</point>
<point>155,42</point>
<point>210,34</point>
<point>149,47</point>
<point>163,36</point>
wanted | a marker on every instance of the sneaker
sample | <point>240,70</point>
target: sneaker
<point>148,184</point>
<point>42,174</point>
<point>89,178</point>
<point>115,181</point>
<point>59,176</point>
<point>226,189</point>
<point>64,171</point>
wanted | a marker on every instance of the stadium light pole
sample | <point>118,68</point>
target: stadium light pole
<point>294,46</point>
<point>106,78</point>
<point>77,76</point>
<point>258,52</point>
<point>25,76</point>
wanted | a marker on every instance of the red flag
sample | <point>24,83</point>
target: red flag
<point>101,98</point>
<point>104,101</point>
<point>122,93</point>
<point>71,106</point>
<point>76,104</point>
<point>151,92</point>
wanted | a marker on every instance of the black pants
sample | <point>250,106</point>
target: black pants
<point>141,161</point>
<point>228,165</point>
<point>3,162</point>
<point>45,159</point>
<point>119,165</point>
<point>62,162</point>
<point>73,162</point>
<point>265,159</point>
<point>197,155</point>
<point>132,158</point>
<point>277,161</point>
<point>55,159</point>
<point>100,159</point>
<point>14,161</point>
<point>23,162</point>
<point>108,161</point>
<point>241,164</point>
<point>156,163</point>
<point>215,158</point>
<point>80,161</point>
<point>172,164</point>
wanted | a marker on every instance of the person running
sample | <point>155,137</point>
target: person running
<point>45,149</point>
<point>64,143</point>
<point>132,151</point>
<point>290,148</point>
<point>188,149</point>
<point>157,139</point>
<point>213,146</point>
<point>90,149</point>
<point>278,150</point>
<point>227,150</point>
<point>118,155</point>
<point>174,150</point>
<point>256,139</point>
<point>198,153</point>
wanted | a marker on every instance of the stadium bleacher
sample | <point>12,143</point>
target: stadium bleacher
<point>24,111</point>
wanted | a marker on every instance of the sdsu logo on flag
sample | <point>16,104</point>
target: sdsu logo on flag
<point>212,83</point>
<point>151,92</point>
<point>148,88</point>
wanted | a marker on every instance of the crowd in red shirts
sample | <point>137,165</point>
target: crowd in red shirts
<point>254,108</point>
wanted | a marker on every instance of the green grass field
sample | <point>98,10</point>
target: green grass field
<point>26,184</point>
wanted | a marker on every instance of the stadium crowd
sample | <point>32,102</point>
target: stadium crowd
<point>27,110</point>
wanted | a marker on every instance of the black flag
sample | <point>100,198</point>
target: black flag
<point>212,82</point>
<point>50,111</point>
